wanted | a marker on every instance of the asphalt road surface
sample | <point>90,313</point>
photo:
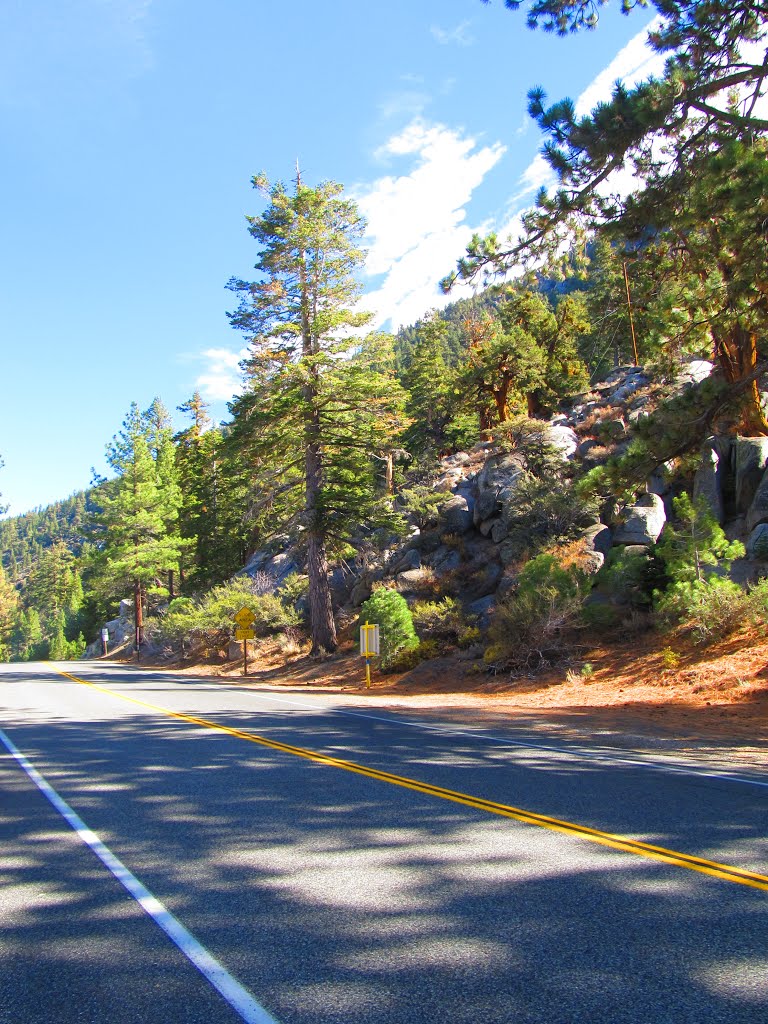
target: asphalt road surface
<point>182,850</point>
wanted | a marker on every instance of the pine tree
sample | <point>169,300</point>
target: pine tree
<point>307,419</point>
<point>429,382</point>
<point>690,135</point>
<point>9,602</point>
<point>139,512</point>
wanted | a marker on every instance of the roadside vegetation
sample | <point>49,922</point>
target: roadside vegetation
<point>335,461</point>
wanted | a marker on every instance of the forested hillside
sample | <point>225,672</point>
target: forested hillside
<point>604,375</point>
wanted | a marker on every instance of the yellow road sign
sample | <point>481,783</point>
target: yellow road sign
<point>244,634</point>
<point>244,617</point>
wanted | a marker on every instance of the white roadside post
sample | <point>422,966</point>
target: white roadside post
<point>105,641</point>
<point>369,647</point>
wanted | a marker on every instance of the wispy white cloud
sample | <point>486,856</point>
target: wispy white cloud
<point>417,220</point>
<point>632,64</point>
<point>222,378</point>
<point>458,36</point>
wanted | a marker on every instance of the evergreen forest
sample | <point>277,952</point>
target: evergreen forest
<point>330,480</point>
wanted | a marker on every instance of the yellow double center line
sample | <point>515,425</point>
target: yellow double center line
<point>616,842</point>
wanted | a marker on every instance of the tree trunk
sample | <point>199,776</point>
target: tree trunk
<point>171,592</point>
<point>138,616</point>
<point>320,607</point>
<point>736,354</point>
<point>389,473</point>
<point>321,621</point>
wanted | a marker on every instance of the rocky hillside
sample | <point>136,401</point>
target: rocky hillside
<point>468,542</point>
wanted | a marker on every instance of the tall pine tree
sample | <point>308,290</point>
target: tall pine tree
<point>307,419</point>
<point>140,542</point>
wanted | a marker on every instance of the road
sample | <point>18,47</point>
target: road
<point>312,863</point>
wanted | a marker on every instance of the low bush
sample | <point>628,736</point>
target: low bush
<point>529,627</point>
<point>712,608</point>
<point>390,611</point>
<point>547,510</point>
<point>208,622</point>
<point>439,620</point>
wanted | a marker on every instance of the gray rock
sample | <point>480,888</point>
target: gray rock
<point>486,505</point>
<point>445,559</point>
<point>411,580</point>
<point>658,481</point>
<point>629,387</point>
<point>126,608</point>
<point>757,545</point>
<point>707,481</point>
<point>694,372</point>
<point>482,605</point>
<point>361,591</point>
<point>456,515</point>
<point>410,560</point>
<point>643,521</point>
<point>593,562</point>
<point>499,531</point>
<point>636,415</point>
<point>496,480</point>
<point>598,538</point>
<point>563,438</point>
<point>457,459</point>
<point>758,510</point>
<point>485,583</point>
<point>487,525</point>
<point>750,457</point>
<point>509,550</point>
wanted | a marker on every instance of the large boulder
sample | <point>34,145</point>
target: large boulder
<point>758,510</point>
<point>445,559</point>
<point>643,521</point>
<point>707,481</point>
<point>694,372</point>
<point>757,545</point>
<point>496,481</point>
<point>456,515</point>
<point>750,457</point>
<point>597,538</point>
<point>563,438</point>
<point>411,559</point>
<point>413,580</point>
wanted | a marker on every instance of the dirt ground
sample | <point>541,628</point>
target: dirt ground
<point>643,694</point>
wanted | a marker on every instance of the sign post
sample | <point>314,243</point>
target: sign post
<point>369,648</point>
<point>245,620</point>
<point>105,641</point>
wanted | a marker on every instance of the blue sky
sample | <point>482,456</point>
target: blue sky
<point>129,131</point>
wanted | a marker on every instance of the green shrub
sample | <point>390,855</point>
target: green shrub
<point>709,609</point>
<point>670,659</point>
<point>630,578</point>
<point>423,504</point>
<point>396,633</point>
<point>439,620</point>
<point>529,627</point>
<point>210,619</point>
<point>600,617</point>
<point>546,510</point>
<point>293,588</point>
<point>695,541</point>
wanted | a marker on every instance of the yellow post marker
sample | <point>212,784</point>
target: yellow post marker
<point>244,619</point>
<point>369,647</point>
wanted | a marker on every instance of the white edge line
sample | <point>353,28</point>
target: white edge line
<point>238,997</point>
